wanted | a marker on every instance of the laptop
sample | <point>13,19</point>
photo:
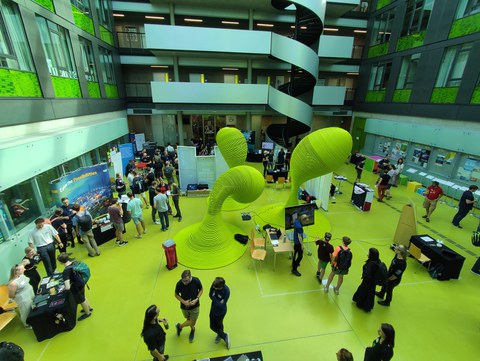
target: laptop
<point>275,235</point>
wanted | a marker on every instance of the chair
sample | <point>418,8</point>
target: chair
<point>281,180</point>
<point>257,254</point>
<point>6,317</point>
<point>269,178</point>
<point>258,242</point>
<point>416,253</point>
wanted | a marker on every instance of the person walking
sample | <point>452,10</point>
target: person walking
<point>153,333</point>
<point>359,169</point>
<point>298,243</point>
<point>325,252</point>
<point>20,290</point>
<point>341,262</point>
<point>42,238</point>
<point>73,285</point>
<point>394,276</point>
<point>115,211</point>
<point>465,205</point>
<point>175,193</point>
<point>382,184</point>
<point>382,348</point>
<point>188,291</point>
<point>219,294</point>
<point>134,207</point>
<point>83,223</point>
<point>433,194</point>
<point>364,297</point>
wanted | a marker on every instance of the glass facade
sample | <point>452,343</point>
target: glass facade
<point>407,71</point>
<point>88,60</point>
<point>379,76</point>
<point>106,62</point>
<point>452,67</point>
<point>382,27</point>
<point>417,16</point>
<point>467,7</point>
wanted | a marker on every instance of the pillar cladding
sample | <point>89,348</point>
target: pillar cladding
<point>233,146</point>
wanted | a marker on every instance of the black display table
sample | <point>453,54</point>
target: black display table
<point>54,313</point>
<point>252,356</point>
<point>277,173</point>
<point>451,261</point>
<point>362,196</point>
<point>254,157</point>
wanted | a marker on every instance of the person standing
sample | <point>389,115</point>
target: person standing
<point>394,276</point>
<point>391,173</point>
<point>83,223</point>
<point>115,212</point>
<point>168,171</point>
<point>153,333</point>
<point>20,290</point>
<point>433,194</point>
<point>364,297</point>
<point>120,186</point>
<point>298,243</point>
<point>398,170</point>
<point>160,202</point>
<point>175,193</point>
<point>188,291</point>
<point>383,163</point>
<point>382,348</point>
<point>151,195</point>
<point>359,169</point>
<point>344,355</point>
<point>130,166</point>
<point>382,185</point>
<point>265,162</point>
<point>325,251</point>
<point>58,222</point>
<point>341,262</point>
<point>281,158</point>
<point>219,294</point>
<point>30,268</point>
<point>68,215</point>
<point>11,352</point>
<point>42,238</point>
<point>77,290</point>
<point>465,205</point>
<point>135,207</point>
<point>139,187</point>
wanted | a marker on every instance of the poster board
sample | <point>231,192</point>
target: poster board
<point>320,188</point>
<point>407,225</point>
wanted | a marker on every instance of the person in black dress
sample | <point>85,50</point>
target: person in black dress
<point>395,272</point>
<point>153,334</point>
<point>365,295</point>
<point>382,348</point>
<point>30,268</point>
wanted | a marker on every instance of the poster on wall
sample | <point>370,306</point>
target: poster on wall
<point>399,150</point>
<point>446,158</point>
<point>384,147</point>
<point>89,186</point>
<point>127,154</point>
<point>421,156</point>
<point>470,171</point>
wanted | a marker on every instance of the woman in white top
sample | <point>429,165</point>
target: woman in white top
<point>398,170</point>
<point>21,291</point>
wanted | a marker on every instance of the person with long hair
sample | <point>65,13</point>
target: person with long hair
<point>153,333</point>
<point>382,348</point>
<point>30,268</point>
<point>364,297</point>
<point>344,355</point>
<point>20,290</point>
<point>219,294</point>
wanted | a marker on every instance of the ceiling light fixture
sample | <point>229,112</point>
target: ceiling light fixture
<point>352,73</point>
<point>193,20</point>
<point>230,22</point>
<point>330,29</point>
<point>154,17</point>
<point>360,31</point>
<point>119,15</point>
<point>265,25</point>
<point>159,66</point>
<point>229,68</point>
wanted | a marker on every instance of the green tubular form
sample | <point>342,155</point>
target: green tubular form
<point>233,146</point>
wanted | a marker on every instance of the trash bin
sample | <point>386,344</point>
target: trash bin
<point>170,253</point>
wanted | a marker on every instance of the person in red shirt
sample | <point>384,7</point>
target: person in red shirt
<point>433,194</point>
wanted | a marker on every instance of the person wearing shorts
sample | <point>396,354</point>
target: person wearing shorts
<point>115,212</point>
<point>335,270</point>
<point>135,207</point>
<point>325,251</point>
<point>188,291</point>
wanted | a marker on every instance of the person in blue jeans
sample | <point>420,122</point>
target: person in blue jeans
<point>298,243</point>
<point>219,294</point>
<point>465,205</point>
<point>160,202</point>
<point>42,238</point>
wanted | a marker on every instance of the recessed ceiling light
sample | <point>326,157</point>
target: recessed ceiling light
<point>352,73</point>
<point>229,68</point>
<point>265,25</point>
<point>119,15</point>
<point>193,20</point>
<point>330,29</point>
<point>301,27</point>
<point>154,17</point>
<point>360,31</point>
<point>230,22</point>
<point>159,66</point>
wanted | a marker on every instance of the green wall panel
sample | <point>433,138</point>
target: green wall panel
<point>14,83</point>
<point>66,87</point>
<point>382,3</point>
<point>106,35</point>
<point>476,96</point>
<point>111,90</point>
<point>375,96</point>
<point>47,4</point>
<point>94,89</point>
<point>465,26</point>
<point>82,21</point>
<point>444,95</point>
<point>402,95</point>
<point>411,41</point>
<point>378,50</point>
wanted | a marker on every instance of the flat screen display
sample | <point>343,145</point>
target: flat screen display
<point>294,212</point>
<point>267,145</point>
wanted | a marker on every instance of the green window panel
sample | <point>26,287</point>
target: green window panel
<point>382,3</point>
<point>476,96</point>
<point>111,90</point>
<point>465,26</point>
<point>375,96</point>
<point>93,89</point>
<point>106,35</point>
<point>14,83</point>
<point>444,95</point>
<point>378,50</point>
<point>47,4</point>
<point>411,41</point>
<point>402,95</point>
<point>82,21</point>
<point>66,87</point>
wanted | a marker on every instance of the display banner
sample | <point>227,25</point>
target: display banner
<point>89,186</point>
<point>116,160</point>
<point>127,154</point>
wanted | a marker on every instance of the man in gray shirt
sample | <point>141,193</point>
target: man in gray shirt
<point>160,202</point>
<point>42,238</point>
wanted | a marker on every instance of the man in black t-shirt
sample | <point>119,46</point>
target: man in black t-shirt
<point>68,214</point>
<point>325,251</point>
<point>188,291</point>
<point>395,272</point>
<point>382,185</point>
<point>153,334</point>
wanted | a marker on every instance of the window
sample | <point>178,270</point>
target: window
<point>382,27</point>
<point>58,49</point>
<point>14,50</point>
<point>104,13</point>
<point>417,16</point>
<point>453,64</point>
<point>106,61</point>
<point>407,71</point>
<point>20,203</point>
<point>467,8</point>
<point>379,76</point>
<point>83,6</point>
<point>88,60</point>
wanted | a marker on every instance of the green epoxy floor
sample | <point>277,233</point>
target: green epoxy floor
<point>286,317</point>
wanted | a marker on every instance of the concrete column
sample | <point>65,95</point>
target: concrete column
<point>248,118</point>
<point>180,127</point>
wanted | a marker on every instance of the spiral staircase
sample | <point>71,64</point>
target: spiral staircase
<point>308,27</point>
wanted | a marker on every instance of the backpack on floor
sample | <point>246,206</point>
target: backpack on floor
<point>81,273</point>
<point>243,239</point>
<point>381,275</point>
<point>344,259</point>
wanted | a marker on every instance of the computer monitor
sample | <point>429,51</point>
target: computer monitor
<point>267,145</point>
<point>294,212</point>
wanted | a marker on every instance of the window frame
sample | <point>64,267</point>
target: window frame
<point>448,81</point>
<point>467,8</point>
<point>382,25</point>
<point>108,69</point>
<point>415,25</point>
<point>381,78</point>
<point>88,59</point>
<point>407,79</point>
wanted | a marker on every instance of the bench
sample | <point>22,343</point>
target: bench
<point>9,307</point>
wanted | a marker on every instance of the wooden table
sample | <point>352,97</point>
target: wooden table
<point>284,244</point>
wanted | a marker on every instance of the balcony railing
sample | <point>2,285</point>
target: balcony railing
<point>138,90</point>
<point>131,40</point>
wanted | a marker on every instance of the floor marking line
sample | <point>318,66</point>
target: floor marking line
<point>44,350</point>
